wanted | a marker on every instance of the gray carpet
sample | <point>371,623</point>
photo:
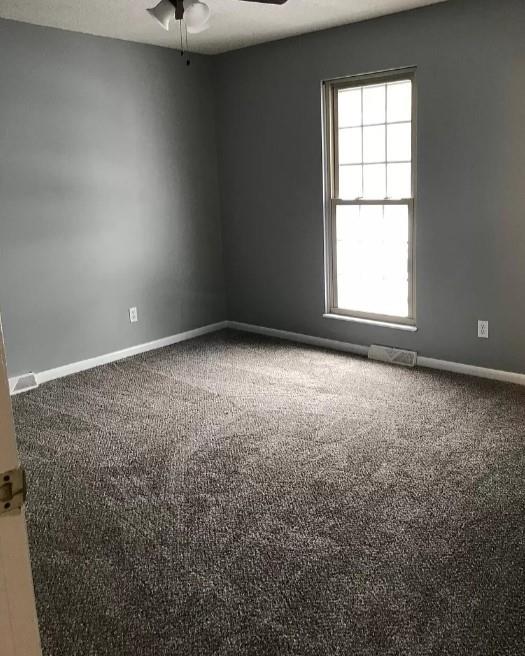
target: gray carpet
<point>241,496</point>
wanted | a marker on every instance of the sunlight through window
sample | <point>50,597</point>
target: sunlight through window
<point>371,223</point>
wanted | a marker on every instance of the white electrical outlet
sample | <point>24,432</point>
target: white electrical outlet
<point>483,329</point>
<point>133,315</point>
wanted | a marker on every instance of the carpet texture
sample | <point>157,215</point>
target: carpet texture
<point>242,496</point>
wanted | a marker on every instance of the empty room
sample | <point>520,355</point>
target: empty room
<point>262,348</point>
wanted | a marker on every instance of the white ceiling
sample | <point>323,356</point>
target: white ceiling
<point>234,24</point>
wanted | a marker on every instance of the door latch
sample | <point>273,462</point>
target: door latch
<point>13,490</point>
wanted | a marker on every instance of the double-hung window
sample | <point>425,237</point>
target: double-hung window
<point>370,181</point>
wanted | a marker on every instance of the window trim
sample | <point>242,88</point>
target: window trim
<point>331,180</point>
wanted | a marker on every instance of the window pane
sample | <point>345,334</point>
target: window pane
<point>399,180</point>
<point>372,245</point>
<point>350,148</point>
<point>350,182</point>
<point>396,223</point>
<point>399,98</point>
<point>374,181</point>
<point>349,105</point>
<point>347,223</point>
<point>399,143</point>
<point>374,144</point>
<point>372,259</point>
<point>374,104</point>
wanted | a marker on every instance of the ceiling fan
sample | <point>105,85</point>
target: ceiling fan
<point>195,13</point>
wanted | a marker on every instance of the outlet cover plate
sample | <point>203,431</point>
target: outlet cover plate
<point>133,315</point>
<point>483,329</point>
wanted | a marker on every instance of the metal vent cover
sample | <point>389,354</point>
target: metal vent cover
<point>392,355</point>
<point>24,383</point>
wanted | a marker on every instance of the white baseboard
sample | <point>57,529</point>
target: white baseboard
<point>300,337</point>
<point>83,365</point>
<point>472,370</point>
<point>358,349</point>
<point>430,363</point>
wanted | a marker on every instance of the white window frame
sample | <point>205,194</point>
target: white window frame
<point>332,201</point>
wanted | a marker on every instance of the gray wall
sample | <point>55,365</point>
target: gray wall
<point>108,195</point>
<point>470,57</point>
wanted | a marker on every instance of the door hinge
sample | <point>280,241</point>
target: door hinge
<point>13,490</point>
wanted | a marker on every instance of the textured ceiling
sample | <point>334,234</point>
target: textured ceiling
<point>234,24</point>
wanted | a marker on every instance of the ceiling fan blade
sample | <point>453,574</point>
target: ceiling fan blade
<point>268,2</point>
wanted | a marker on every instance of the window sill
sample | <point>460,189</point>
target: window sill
<point>372,322</point>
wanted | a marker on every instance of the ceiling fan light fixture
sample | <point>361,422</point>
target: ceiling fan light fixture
<point>196,16</point>
<point>200,28</point>
<point>163,13</point>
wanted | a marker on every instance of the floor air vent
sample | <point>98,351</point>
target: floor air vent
<point>392,355</point>
<point>23,383</point>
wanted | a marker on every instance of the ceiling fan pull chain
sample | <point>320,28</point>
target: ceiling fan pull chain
<point>187,49</point>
